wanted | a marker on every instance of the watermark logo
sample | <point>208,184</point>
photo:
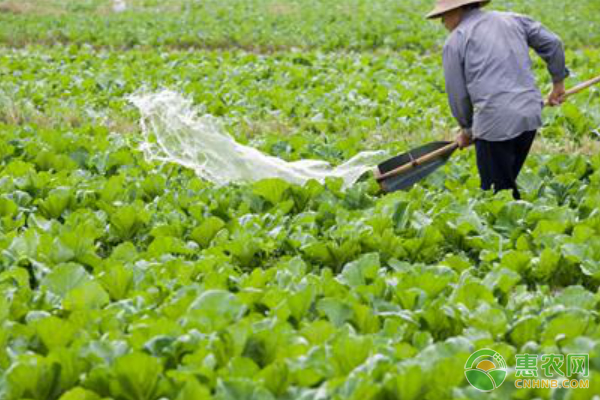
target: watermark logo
<point>486,370</point>
<point>558,371</point>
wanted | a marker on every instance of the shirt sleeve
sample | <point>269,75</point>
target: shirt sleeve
<point>548,46</point>
<point>456,86</point>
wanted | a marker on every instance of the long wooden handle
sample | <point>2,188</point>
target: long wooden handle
<point>453,146</point>
<point>416,162</point>
<point>579,88</point>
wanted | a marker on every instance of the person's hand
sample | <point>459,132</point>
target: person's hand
<point>557,97</point>
<point>463,139</point>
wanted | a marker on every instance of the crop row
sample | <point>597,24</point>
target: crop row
<point>264,25</point>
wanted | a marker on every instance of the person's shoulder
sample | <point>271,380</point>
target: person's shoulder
<point>454,39</point>
<point>501,14</point>
<point>506,15</point>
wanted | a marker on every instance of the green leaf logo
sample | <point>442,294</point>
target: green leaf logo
<point>486,370</point>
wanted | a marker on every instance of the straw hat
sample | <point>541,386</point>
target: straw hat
<point>443,6</point>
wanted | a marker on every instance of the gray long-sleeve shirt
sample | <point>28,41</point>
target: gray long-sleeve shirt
<point>489,77</point>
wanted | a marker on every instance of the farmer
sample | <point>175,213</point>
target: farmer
<point>491,86</point>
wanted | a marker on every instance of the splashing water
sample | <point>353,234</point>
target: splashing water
<point>119,6</point>
<point>173,131</point>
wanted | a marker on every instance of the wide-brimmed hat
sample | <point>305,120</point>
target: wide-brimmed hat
<point>443,6</point>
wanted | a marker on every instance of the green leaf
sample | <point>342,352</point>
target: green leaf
<point>567,324</point>
<point>361,271</point>
<point>503,279</point>
<point>318,332</point>
<point>300,302</point>
<point>241,389</point>
<point>337,311</point>
<point>457,263</point>
<point>168,245</point>
<point>547,264</point>
<point>577,297</point>
<point>207,230</point>
<point>33,377</point>
<point>313,369</point>
<point>72,366</point>
<point>136,377</point>
<point>472,294</point>
<point>273,190</point>
<point>87,296</point>
<point>490,319</point>
<point>526,329</point>
<point>64,278</point>
<point>276,378</point>
<point>117,280</point>
<point>402,215</point>
<point>55,332</point>
<point>76,245</point>
<point>80,394</point>
<point>242,367</point>
<point>215,309</point>
<point>193,390</point>
<point>8,208</point>
<point>518,261</point>
<point>128,220</point>
<point>24,246</point>
<point>57,202</point>
<point>153,186</point>
<point>348,352</point>
<point>406,383</point>
<point>4,309</point>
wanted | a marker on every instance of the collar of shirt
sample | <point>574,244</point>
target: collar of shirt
<point>475,12</point>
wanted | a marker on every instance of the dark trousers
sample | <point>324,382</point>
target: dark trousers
<point>500,163</point>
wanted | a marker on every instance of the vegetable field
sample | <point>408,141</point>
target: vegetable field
<point>126,279</point>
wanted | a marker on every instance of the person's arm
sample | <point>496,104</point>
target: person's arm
<point>550,48</point>
<point>458,95</point>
